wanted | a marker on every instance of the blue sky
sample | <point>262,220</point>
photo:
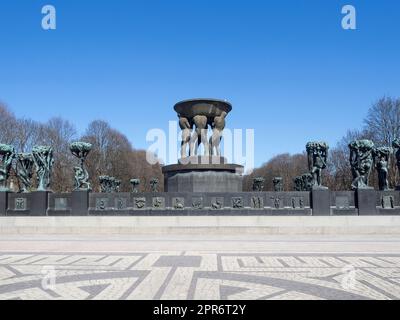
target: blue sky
<point>288,68</point>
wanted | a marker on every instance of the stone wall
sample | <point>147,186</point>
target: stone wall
<point>318,202</point>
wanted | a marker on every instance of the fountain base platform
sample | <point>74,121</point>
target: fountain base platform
<point>203,174</point>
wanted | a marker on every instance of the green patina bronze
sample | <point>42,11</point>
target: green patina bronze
<point>258,184</point>
<point>154,184</point>
<point>381,159</point>
<point>81,150</point>
<point>361,162</point>
<point>317,153</point>
<point>135,185</point>
<point>105,186</point>
<point>43,158</point>
<point>396,147</point>
<point>278,184</point>
<point>25,164</point>
<point>109,184</point>
<point>7,154</point>
<point>303,182</point>
<point>117,185</point>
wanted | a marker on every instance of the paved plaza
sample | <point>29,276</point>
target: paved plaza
<point>199,267</point>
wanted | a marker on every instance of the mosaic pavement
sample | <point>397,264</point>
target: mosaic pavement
<point>199,275</point>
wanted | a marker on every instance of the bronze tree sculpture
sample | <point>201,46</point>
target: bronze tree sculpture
<point>43,158</point>
<point>25,164</point>
<point>81,150</point>
<point>361,162</point>
<point>7,154</point>
<point>317,153</point>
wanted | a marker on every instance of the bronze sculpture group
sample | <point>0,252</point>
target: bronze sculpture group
<point>317,153</point>
<point>278,184</point>
<point>364,156</point>
<point>7,154</point>
<point>258,184</point>
<point>25,165</point>
<point>382,156</point>
<point>361,162</point>
<point>41,158</point>
<point>81,150</point>
<point>193,137</point>
<point>109,184</point>
<point>303,182</point>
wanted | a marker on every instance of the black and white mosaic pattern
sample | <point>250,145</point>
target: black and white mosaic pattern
<point>199,275</point>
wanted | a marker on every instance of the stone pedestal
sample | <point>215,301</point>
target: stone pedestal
<point>321,201</point>
<point>366,201</point>
<point>3,202</point>
<point>202,160</point>
<point>39,203</point>
<point>79,203</point>
<point>203,177</point>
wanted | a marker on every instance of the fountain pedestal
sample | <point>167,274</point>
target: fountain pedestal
<point>203,177</point>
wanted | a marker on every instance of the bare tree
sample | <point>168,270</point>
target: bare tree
<point>113,155</point>
<point>338,171</point>
<point>383,121</point>
<point>283,165</point>
<point>59,133</point>
<point>383,125</point>
<point>97,134</point>
<point>28,134</point>
<point>141,169</point>
<point>7,125</point>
